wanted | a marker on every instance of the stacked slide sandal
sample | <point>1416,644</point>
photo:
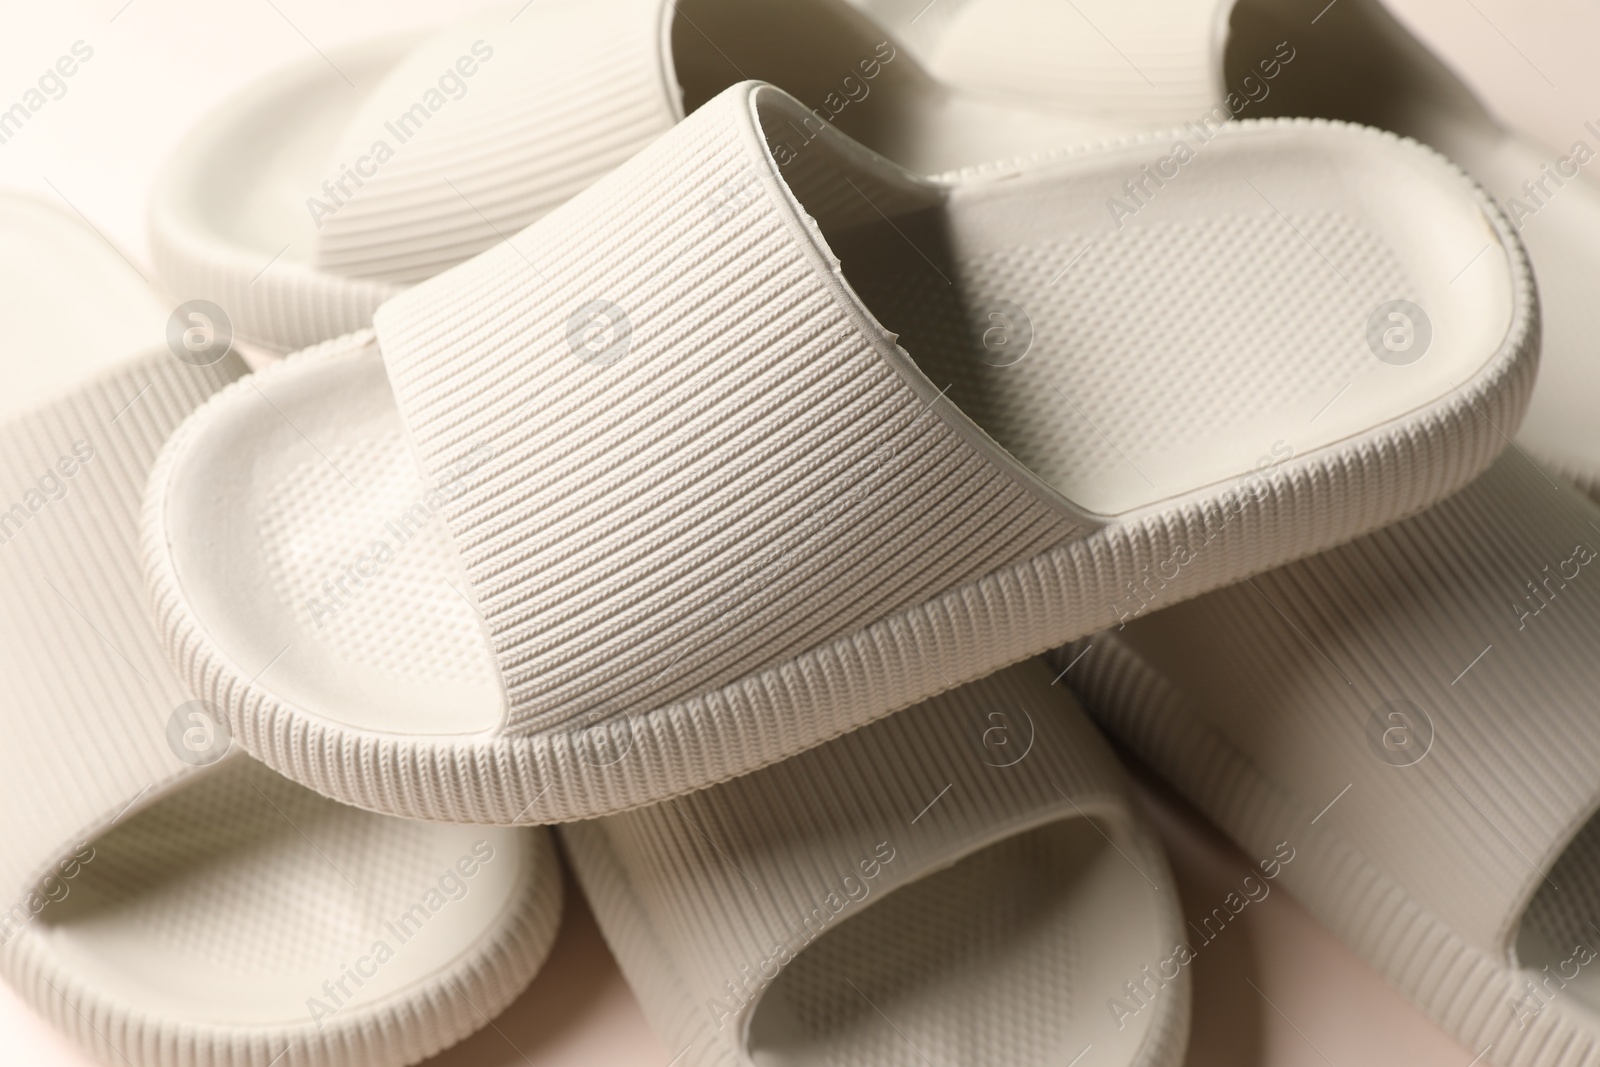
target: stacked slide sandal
<point>167,899</point>
<point>968,881</point>
<point>1415,713</point>
<point>674,485</point>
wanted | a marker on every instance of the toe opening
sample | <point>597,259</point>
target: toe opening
<point>1011,955</point>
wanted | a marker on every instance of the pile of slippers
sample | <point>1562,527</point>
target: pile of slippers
<point>768,443</point>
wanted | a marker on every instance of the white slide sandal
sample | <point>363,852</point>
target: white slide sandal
<point>1416,713</point>
<point>1352,61</point>
<point>303,203</point>
<point>685,507</point>
<point>968,881</point>
<point>167,899</point>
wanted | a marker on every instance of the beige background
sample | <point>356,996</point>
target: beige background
<point>1275,990</point>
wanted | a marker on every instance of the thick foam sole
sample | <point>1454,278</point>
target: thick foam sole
<point>1559,221</point>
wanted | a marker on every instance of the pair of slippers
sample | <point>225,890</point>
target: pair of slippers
<point>756,439</point>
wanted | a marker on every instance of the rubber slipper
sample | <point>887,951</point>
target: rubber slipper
<point>1211,60</point>
<point>966,881</point>
<point>1415,713</point>
<point>303,203</point>
<point>576,532</point>
<point>166,899</point>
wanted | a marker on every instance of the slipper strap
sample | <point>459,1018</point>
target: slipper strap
<point>486,127</point>
<point>97,720</point>
<point>736,880</point>
<point>684,450</point>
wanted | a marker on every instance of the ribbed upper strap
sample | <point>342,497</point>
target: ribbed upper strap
<point>690,452</point>
<point>1435,679</point>
<point>738,879</point>
<point>90,701</point>
<point>487,126</point>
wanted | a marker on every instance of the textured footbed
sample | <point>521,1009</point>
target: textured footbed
<point>199,916</point>
<point>327,545</point>
<point>1360,65</point>
<point>1364,66</point>
<point>232,902</point>
<point>1006,956</point>
<point>1164,357</point>
<point>1220,325</point>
